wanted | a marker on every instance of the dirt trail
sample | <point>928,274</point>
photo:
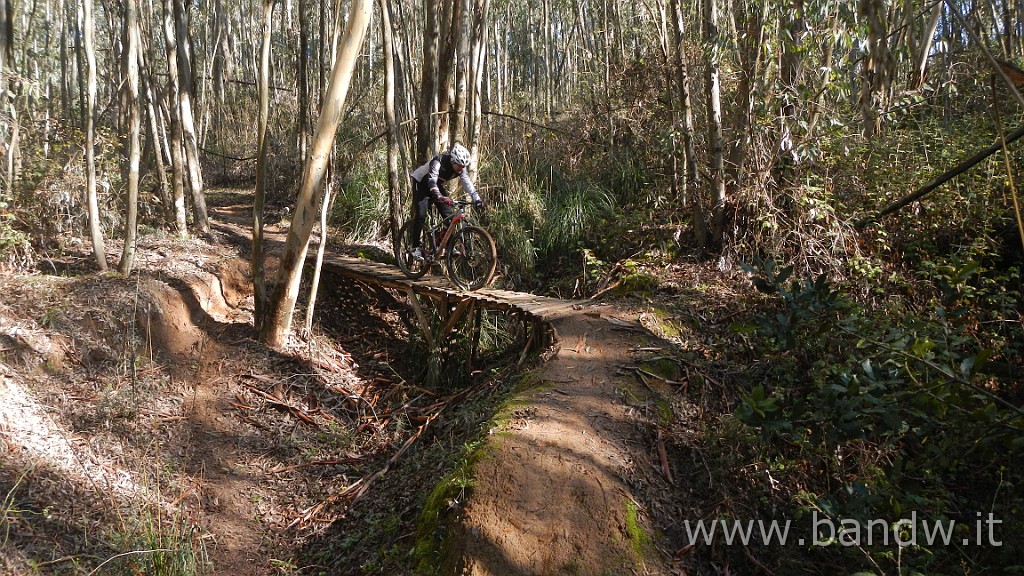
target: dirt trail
<point>551,496</point>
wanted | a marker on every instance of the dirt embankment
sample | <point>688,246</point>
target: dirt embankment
<point>552,489</point>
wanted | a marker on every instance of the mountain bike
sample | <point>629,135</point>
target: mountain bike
<point>466,250</point>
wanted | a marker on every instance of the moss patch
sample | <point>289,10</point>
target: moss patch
<point>431,552</point>
<point>638,539</point>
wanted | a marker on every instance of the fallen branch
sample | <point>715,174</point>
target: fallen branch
<point>663,454</point>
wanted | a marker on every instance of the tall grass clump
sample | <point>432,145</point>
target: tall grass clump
<point>159,546</point>
<point>517,211</point>
<point>574,213</point>
<point>360,209</point>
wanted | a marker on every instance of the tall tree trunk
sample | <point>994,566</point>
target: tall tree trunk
<point>790,72</point>
<point>258,274</point>
<point>716,139</point>
<point>152,111</point>
<point>302,126</point>
<point>878,68</point>
<point>135,128</point>
<point>174,124</point>
<point>700,228</point>
<point>462,71</point>
<point>275,329</point>
<point>391,122</point>
<point>65,66</point>
<point>451,11</point>
<point>188,127</point>
<point>925,47</point>
<point>80,64</point>
<point>751,46</point>
<point>7,150</point>
<point>95,231</point>
<point>478,68</point>
<point>426,120</point>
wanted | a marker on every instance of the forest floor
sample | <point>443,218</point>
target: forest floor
<point>141,422</point>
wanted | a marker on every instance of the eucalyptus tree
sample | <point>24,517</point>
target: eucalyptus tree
<point>95,230</point>
<point>716,138</point>
<point>282,305</point>
<point>682,74</point>
<point>6,49</point>
<point>185,93</point>
<point>426,119</point>
<point>175,136</point>
<point>258,279</point>
<point>395,187</point>
<point>135,128</point>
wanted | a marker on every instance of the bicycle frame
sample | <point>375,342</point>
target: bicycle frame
<point>437,220</point>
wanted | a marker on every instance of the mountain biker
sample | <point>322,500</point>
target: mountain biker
<point>428,185</point>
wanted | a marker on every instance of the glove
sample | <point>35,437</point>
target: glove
<point>479,204</point>
<point>441,199</point>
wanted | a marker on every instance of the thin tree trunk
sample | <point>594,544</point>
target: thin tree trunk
<point>391,122</point>
<point>458,116</point>
<point>716,139</point>
<point>925,47</point>
<point>135,147</point>
<point>479,68</point>
<point>174,123</point>
<point>451,11</point>
<point>278,323</point>
<point>751,48</point>
<point>426,121</point>
<point>691,193</point>
<point>7,129</point>
<point>96,232</point>
<point>302,126</point>
<point>80,64</point>
<point>258,275</point>
<point>188,128</point>
<point>152,108</point>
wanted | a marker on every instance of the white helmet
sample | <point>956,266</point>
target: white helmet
<point>459,155</point>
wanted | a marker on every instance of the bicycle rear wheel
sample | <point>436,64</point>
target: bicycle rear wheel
<point>409,265</point>
<point>472,258</point>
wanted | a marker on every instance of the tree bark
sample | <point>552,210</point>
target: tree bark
<point>174,124</point>
<point>188,128</point>
<point>716,138</point>
<point>135,147</point>
<point>95,230</point>
<point>391,122</point>
<point>275,329</point>
<point>302,126</point>
<point>462,73</point>
<point>152,111</point>
<point>426,120</point>
<point>7,148</point>
<point>700,228</point>
<point>258,275</point>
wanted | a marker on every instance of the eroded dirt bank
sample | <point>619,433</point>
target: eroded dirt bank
<point>551,491</point>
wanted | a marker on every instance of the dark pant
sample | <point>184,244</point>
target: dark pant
<point>421,200</point>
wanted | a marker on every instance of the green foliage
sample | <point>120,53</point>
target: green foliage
<point>896,415</point>
<point>361,209</point>
<point>441,508</point>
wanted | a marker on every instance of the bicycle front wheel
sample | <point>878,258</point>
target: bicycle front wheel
<point>472,258</point>
<point>410,265</point>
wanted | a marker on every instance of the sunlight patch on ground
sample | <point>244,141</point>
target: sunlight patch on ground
<point>31,438</point>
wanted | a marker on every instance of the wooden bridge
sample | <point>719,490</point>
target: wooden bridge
<point>452,306</point>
